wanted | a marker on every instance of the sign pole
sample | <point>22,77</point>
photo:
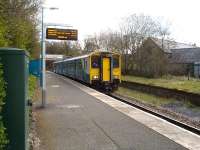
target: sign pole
<point>52,33</point>
<point>43,57</point>
<point>43,65</point>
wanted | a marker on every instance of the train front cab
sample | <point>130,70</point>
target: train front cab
<point>106,70</point>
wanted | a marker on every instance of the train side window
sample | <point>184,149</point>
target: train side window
<point>115,62</point>
<point>85,63</point>
<point>80,65</point>
<point>95,61</point>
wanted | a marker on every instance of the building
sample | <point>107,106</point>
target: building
<point>166,56</point>
<point>188,60</point>
<point>151,59</point>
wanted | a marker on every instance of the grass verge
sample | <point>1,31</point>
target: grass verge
<point>171,82</point>
<point>144,97</point>
<point>32,86</point>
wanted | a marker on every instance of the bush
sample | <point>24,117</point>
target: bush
<point>32,86</point>
<point>3,139</point>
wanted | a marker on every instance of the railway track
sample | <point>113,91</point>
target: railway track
<point>148,110</point>
<point>163,92</point>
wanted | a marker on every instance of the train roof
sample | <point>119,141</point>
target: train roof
<point>73,58</point>
<point>85,56</point>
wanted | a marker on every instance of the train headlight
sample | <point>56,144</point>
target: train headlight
<point>116,77</point>
<point>95,77</point>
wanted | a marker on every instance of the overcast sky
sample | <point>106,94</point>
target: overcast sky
<point>93,16</point>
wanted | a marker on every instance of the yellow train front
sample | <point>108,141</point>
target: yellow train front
<point>100,69</point>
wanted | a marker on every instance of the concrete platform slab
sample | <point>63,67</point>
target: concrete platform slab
<point>80,118</point>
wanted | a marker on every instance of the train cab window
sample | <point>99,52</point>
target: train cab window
<point>115,62</point>
<point>95,62</point>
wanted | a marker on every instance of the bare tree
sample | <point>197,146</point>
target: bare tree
<point>109,40</point>
<point>67,48</point>
<point>91,43</point>
<point>134,29</point>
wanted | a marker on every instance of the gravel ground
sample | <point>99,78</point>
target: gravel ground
<point>34,140</point>
<point>192,112</point>
<point>176,111</point>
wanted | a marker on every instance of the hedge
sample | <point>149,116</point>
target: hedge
<point>3,138</point>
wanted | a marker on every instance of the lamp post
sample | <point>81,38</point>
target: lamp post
<point>43,57</point>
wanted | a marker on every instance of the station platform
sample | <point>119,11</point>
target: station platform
<point>80,118</point>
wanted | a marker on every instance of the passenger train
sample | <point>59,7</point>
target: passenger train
<point>100,69</point>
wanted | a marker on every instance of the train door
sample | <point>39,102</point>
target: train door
<point>106,69</point>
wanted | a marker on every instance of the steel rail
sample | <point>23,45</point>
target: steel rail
<point>171,120</point>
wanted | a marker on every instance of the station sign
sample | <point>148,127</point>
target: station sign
<point>61,34</point>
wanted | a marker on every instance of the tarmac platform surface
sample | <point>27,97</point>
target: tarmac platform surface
<point>75,120</point>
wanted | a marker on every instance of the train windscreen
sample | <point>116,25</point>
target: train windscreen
<point>116,62</point>
<point>95,62</point>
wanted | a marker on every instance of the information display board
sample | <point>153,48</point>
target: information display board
<point>61,34</point>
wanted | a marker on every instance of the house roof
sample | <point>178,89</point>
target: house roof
<point>167,45</point>
<point>185,55</point>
